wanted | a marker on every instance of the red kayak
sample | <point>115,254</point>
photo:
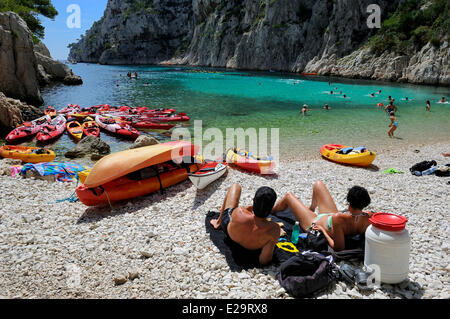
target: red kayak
<point>151,125</point>
<point>71,108</point>
<point>91,128</point>
<point>52,130</point>
<point>28,129</point>
<point>117,127</point>
<point>180,117</point>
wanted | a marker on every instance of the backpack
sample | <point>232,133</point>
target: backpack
<point>306,274</point>
<point>422,166</point>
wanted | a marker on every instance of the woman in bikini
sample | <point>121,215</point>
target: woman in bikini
<point>334,225</point>
<point>394,125</point>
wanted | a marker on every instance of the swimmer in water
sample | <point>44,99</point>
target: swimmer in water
<point>443,100</point>
<point>326,107</point>
<point>372,94</point>
<point>393,126</point>
<point>305,109</point>
<point>331,92</point>
<point>428,106</point>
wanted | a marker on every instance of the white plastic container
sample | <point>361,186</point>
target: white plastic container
<point>389,250</point>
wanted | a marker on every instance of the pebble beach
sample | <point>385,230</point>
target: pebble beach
<point>157,246</point>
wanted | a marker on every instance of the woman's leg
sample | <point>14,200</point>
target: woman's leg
<point>231,201</point>
<point>322,198</point>
<point>300,211</point>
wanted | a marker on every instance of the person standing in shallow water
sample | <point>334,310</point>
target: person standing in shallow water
<point>428,106</point>
<point>393,126</point>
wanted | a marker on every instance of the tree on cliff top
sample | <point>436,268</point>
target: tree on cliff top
<point>29,10</point>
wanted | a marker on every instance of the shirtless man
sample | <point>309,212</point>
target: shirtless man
<point>248,226</point>
<point>334,225</point>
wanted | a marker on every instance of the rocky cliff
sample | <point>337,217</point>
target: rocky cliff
<point>24,66</point>
<point>323,36</point>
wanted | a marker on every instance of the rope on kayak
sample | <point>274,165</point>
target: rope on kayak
<point>71,199</point>
<point>109,202</point>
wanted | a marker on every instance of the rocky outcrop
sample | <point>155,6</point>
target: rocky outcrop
<point>26,66</point>
<point>18,76</point>
<point>428,66</point>
<point>313,36</point>
<point>50,70</point>
<point>144,140</point>
<point>14,112</point>
<point>89,145</point>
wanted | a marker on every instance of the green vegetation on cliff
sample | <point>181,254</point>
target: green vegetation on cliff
<point>29,10</point>
<point>413,25</point>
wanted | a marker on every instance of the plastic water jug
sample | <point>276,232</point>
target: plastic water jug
<point>388,247</point>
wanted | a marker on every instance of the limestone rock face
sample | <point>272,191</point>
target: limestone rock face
<point>313,36</point>
<point>18,75</point>
<point>13,112</point>
<point>25,66</point>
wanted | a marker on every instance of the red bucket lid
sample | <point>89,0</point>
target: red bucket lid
<point>389,222</point>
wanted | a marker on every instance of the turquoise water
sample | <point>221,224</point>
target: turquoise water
<point>231,99</point>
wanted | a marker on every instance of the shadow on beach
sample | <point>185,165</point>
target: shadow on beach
<point>95,214</point>
<point>202,195</point>
<point>241,170</point>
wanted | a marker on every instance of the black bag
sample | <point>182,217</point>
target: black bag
<point>306,274</point>
<point>316,241</point>
<point>422,166</point>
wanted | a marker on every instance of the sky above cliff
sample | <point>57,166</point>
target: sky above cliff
<point>65,29</point>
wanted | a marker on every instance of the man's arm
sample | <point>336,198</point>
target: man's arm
<point>267,251</point>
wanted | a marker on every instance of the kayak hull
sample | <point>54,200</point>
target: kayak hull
<point>26,155</point>
<point>202,179</point>
<point>52,130</point>
<point>364,159</point>
<point>28,131</point>
<point>124,188</point>
<point>250,164</point>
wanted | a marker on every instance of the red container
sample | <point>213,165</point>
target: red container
<point>388,222</point>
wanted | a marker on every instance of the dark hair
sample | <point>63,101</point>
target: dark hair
<point>358,197</point>
<point>264,201</point>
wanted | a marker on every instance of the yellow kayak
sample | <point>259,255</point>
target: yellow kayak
<point>75,130</point>
<point>27,154</point>
<point>347,155</point>
<point>83,175</point>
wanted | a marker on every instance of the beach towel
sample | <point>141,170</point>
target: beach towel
<point>63,172</point>
<point>239,258</point>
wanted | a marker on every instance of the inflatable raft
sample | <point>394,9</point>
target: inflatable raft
<point>137,172</point>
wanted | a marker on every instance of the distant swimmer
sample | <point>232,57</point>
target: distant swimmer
<point>326,107</point>
<point>379,92</point>
<point>331,92</point>
<point>428,106</point>
<point>390,97</point>
<point>305,109</point>
<point>393,126</point>
<point>442,100</point>
<point>135,75</point>
<point>372,94</point>
<point>345,96</point>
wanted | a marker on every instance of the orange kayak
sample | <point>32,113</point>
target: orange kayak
<point>131,186</point>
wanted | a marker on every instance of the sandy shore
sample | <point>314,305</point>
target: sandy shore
<point>157,247</point>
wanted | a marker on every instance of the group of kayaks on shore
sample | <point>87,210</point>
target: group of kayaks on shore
<point>133,173</point>
<point>122,121</point>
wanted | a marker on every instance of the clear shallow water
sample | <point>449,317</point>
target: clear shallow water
<point>231,99</point>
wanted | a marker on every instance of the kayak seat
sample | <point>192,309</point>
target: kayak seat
<point>345,151</point>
